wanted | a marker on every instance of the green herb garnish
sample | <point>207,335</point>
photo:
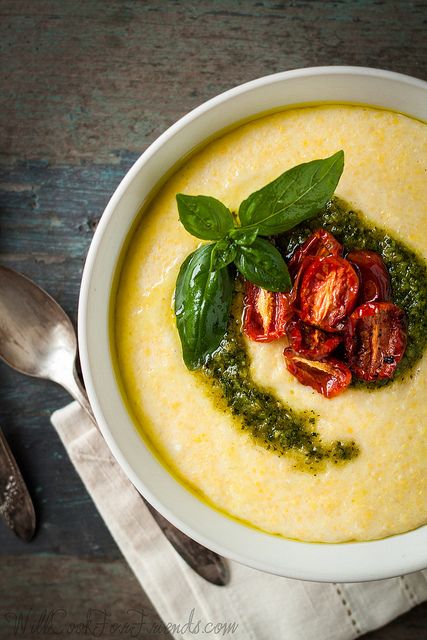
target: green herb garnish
<point>262,264</point>
<point>202,306</point>
<point>295,196</point>
<point>204,285</point>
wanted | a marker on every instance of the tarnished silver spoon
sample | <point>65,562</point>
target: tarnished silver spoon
<point>37,338</point>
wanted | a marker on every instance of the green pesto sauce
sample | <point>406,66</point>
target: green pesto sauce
<point>408,273</point>
<point>271,422</point>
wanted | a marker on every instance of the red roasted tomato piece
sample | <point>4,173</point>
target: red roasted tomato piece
<point>319,244</point>
<point>329,377</point>
<point>299,276</point>
<point>309,341</point>
<point>375,340</point>
<point>327,292</point>
<point>265,313</point>
<point>374,278</point>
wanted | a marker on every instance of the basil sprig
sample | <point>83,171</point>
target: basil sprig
<point>204,285</point>
<point>202,306</point>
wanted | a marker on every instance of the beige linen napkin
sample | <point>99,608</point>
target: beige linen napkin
<point>256,605</point>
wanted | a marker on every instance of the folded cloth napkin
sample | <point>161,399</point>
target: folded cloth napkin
<point>256,605</point>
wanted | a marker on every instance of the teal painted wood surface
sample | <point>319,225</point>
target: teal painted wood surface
<point>87,85</point>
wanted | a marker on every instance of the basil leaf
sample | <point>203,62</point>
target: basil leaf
<point>262,264</point>
<point>204,217</point>
<point>243,236</point>
<point>296,195</point>
<point>222,254</point>
<point>202,305</point>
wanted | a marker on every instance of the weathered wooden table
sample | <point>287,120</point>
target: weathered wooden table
<point>86,86</point>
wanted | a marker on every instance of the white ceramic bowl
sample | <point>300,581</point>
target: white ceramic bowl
<point>327,562</point>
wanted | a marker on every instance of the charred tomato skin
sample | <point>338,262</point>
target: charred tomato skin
<point>375,285</point>
<point>329,377</point>
<point>310,341</point>
<point>326,292</point>
<point>319,244</point>
<point>265,314</point>
<point>375,340</point>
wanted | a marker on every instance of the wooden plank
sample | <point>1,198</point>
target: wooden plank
<point>82,597</point>
<point>85,79</point>
<point>86,86</point>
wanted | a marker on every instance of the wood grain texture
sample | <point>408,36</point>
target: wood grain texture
<point>87,85</point>
<point>85,79</point>
<point>45,603</point>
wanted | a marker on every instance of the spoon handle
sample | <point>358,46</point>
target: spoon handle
<point>78,392</point>
<point>16,505</point>
<point>206,563</point>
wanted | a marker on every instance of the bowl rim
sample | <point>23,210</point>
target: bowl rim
<point>371,560</point>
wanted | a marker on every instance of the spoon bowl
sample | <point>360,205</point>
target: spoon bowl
<point>37,337</point>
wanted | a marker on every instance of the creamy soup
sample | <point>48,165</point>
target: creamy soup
<point>382,488</point>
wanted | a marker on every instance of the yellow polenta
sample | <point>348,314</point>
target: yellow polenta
<point>384,490</point>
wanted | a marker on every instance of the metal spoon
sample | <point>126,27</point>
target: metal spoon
<point>38,339</point>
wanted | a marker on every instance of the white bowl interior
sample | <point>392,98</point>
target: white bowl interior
<point>328,562</point>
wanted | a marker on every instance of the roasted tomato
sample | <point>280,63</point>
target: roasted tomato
<point>265,313</point>
<point>320,244</point>
<point>375,340</point>
<point>310,341</point>
<point>326,292</point>
<point>329,377</point>
<point>374,279</point>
